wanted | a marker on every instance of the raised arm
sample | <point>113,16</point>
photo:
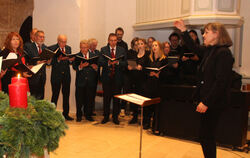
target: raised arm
<point>199,50</point>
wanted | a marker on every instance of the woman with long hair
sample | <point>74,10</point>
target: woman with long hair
<point>213,79</point>
<point>157,59</point>
<point>138,75</point>
<point>13,46</point>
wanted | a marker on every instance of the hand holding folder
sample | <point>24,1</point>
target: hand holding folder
<point>92,60</point>
<point>46,55</point>
<point>113,59</point>
<point>156,69</point>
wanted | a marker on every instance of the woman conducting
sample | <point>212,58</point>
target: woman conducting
<point>214,79</point>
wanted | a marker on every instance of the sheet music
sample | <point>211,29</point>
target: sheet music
<point>12,56</point>
<point>131,99</point>
<point>138,97</point>
<point>1,60</point>
<point>134,98</point>
<point>36,68</point>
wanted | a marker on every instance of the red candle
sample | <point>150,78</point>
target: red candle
<point>18,95</point>
<point>20,79</point>
<point>18,92</point>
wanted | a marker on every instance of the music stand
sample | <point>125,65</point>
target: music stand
<point>141,101</point>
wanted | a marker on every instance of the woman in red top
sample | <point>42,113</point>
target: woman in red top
<point>13,46</point>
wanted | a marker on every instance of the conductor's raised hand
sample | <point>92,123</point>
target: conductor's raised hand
<point>179,24</point>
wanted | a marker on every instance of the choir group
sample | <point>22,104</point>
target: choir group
<point>119,69</point>
<point>141,70</point>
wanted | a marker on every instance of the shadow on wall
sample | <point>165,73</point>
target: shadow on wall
<point>25,29</point>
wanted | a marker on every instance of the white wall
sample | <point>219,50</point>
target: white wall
<point>120,13</point>
<point>59,17</point>
<point>82,19</point>
<point>245,69</point>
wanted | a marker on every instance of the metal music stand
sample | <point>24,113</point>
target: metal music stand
<point>142,102</point>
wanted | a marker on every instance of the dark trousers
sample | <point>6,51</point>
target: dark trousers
<point>138,87</point>
<point>37,85</point>
<point>151,91</point>
<point>63,82</point>
<point>85,97</point>
<point>93,107</point>
<point>209,121</point>
<point>109,90</point>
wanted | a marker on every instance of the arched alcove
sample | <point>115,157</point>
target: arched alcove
<point>25,29</point>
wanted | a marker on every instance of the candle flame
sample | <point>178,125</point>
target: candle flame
<point>18,75</point>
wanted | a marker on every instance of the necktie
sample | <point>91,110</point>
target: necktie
<point>85,56</point>
<point>39,49</point>
<point>63,50</point>
<point>112,53</point>
<point>113,66</point>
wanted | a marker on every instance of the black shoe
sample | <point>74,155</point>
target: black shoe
<point>78,119</point>
<point>116,121</point>
<point>105,120</point>
<point>133,121</point>
<point>67,117</point>
<point>89,118</point>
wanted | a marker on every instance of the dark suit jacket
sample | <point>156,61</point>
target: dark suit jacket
<point>98,53</point>
<point>32,51</point>
<point>119,69</point>
<point>86,76</point>
<point>214,74</point>
<point>62,67</point>
<point>123,44</point>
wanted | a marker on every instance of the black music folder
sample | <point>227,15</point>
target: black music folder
<point>66,55</point>
<point>45,55</point>
<point>189,55</point>
<point>92,60</point>
<point>173,59</point>
<point>155,68</point>
<point>113,59</point>
<point>8,63</point>
<point>25,68</point>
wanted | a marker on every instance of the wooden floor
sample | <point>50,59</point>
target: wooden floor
<point>94,140</point>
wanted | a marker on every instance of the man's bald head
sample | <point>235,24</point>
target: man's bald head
<point>62,40</point>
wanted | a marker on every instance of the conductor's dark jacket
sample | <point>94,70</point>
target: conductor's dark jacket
<point>214,74</point>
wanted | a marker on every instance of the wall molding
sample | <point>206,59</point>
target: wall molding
<point>229,21</point>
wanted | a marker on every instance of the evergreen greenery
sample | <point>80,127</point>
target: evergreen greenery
<point>28,131</point>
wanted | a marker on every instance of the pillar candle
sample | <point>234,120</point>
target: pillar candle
<point>20,79</point>
<point>18,95</point>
